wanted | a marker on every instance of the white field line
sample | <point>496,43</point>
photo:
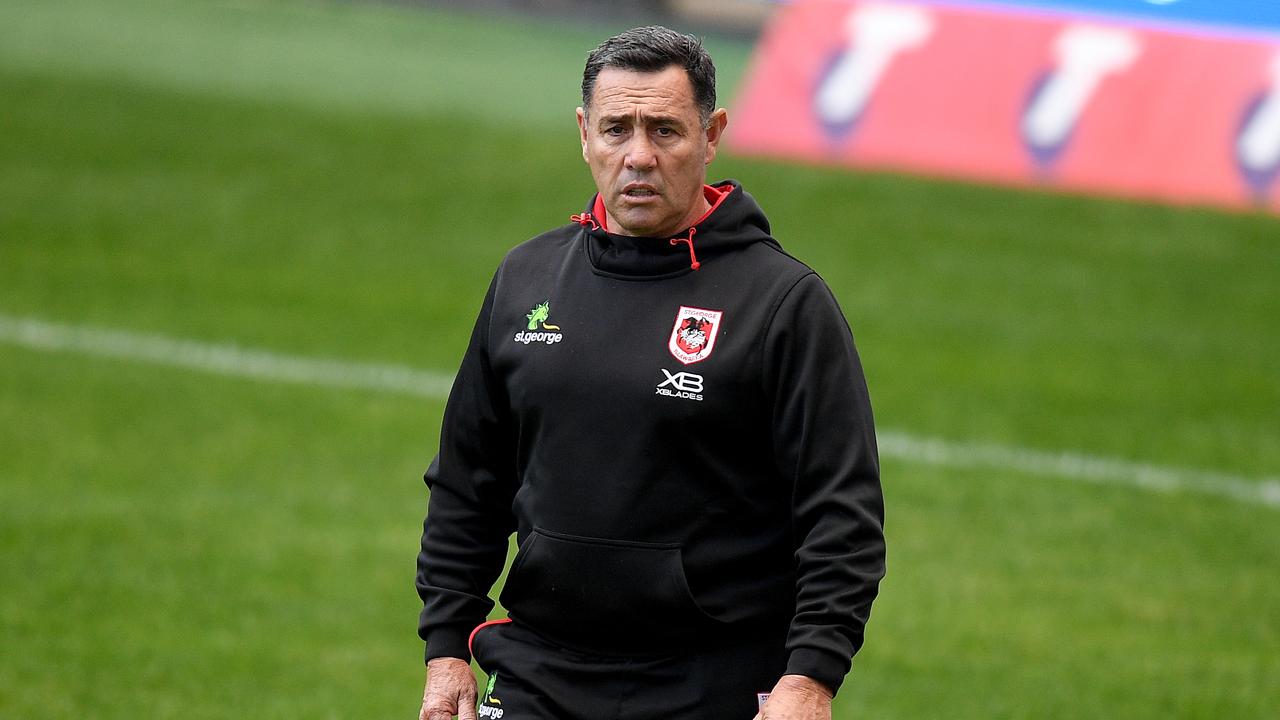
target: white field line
<point>231,360</point>
<point>220,359</point>
<point>1079,467</point>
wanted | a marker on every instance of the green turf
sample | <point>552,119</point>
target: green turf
<point>339,180</point>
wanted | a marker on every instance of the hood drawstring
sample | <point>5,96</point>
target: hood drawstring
<point>585,220</point>
<point>693,258</point>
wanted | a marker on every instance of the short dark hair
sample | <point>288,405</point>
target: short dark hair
<point>651,49</point>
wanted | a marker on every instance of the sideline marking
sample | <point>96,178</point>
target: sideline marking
<point>235,361</point>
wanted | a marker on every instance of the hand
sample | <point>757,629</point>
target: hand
<point>450,690</point>
<point>797,697</point>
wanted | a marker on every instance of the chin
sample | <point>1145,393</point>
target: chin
<point>644,223</point>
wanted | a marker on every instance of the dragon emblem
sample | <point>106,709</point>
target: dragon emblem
<point>694,334</point>
<point>539,315</point>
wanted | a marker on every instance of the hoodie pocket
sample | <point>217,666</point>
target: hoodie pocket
<point>607,596</point>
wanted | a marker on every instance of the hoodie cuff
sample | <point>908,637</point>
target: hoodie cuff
<point>825,667</point>
<point>448,641</point>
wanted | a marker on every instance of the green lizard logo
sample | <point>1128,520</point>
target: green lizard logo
<point>539,314</point>
<point>486,704</point>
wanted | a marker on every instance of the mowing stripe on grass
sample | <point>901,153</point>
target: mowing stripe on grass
<point>236,361</point>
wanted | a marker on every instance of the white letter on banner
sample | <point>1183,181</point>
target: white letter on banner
<point>1085,56</point>
<point>877,32</point>
<point>1258,147</point>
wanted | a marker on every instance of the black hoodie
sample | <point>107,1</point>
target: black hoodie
<point>677,430</point>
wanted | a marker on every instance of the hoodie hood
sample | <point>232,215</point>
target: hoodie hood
<point>734,221</point>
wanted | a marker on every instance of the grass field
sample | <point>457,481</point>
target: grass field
<point>339,180</point>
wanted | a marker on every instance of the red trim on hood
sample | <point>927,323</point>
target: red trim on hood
<point>597,211</point>
<point>715,196</point>
<point>472,637</point>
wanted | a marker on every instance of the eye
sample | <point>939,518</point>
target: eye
<point>664,131</point>
<point>613,130</point>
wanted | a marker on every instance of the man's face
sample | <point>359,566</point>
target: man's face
<point>648,150</point>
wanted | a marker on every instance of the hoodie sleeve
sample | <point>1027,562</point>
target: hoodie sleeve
<point>824,443</point>
<point>469,517</point>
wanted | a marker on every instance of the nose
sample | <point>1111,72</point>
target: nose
<point>640,154</point>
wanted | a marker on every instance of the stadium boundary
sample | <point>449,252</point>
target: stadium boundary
<point>236,361</point>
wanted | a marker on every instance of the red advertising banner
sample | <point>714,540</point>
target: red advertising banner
<point>1018,97</point>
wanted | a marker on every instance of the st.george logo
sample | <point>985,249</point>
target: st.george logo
<point>694,335</point>
<point>537,317</point>
<point>490,706</point>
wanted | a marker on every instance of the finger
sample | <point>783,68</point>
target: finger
<point>467,710</point>
<point>435,709</point>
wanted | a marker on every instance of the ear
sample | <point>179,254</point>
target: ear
<point>582,132</point>
<point>715,131</point>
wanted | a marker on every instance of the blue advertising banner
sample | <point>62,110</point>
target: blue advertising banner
<point>1260,16</point>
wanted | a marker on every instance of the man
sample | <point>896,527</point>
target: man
<point>669,412</point>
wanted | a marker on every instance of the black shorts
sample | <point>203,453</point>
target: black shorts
<point>531,678</point>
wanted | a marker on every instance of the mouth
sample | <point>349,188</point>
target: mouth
<point>639,191</point>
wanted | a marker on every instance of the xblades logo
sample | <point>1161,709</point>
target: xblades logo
<point>683,381</point>
<point>684,385</point>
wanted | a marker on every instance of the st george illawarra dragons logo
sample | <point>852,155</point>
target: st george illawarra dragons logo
<point>694,335</point>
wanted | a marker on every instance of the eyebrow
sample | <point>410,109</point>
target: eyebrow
<point>651,119</point>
